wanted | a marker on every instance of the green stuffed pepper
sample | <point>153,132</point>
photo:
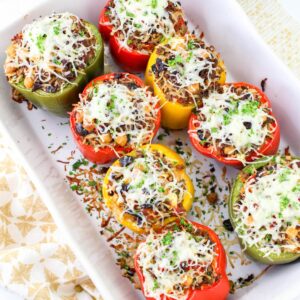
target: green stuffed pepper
<point>51,60</point>
<point>264,209</point>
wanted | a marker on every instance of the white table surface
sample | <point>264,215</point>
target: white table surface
<point>11,10</point>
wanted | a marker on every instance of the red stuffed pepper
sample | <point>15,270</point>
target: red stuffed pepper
<point>234,124</point>
<point>134,28</point>
<point>116,114</point>
<point>186,260</point>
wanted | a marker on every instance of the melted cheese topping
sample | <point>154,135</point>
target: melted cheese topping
<point>114,108</point>
<point>192,63</point>
<point>234,120</point>
<point>48,44</point>
<point>171,260</point>
<point>269,213</point>
<point>141,19</point>
<point>150,182</point>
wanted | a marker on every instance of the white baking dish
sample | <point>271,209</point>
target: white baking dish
<point>246,57</point>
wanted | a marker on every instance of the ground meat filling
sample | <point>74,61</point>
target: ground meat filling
<point>234,122</point>
<point>147,187</point>
<point>268,212</point>
<point>116,112</point>
<point>185,68</point>
<point>141,25</point>
<point>50,53</point>
<point>178,259</point>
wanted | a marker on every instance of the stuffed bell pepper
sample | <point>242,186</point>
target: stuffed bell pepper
<point>180,71</point>
<point>134,28</point>
<point>264,209</point>
<point>49,62</point>
<point>148,188</point>
<point>116,114</point>
<point>234,125</point>
<point>184,261</point>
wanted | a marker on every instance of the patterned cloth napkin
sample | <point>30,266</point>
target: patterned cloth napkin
<point>34,261</point>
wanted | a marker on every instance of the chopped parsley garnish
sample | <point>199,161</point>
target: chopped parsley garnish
<point>174,258</point>
<point>155,285</point>
<point>161,189</point>
<point>296,188</point>
<point>56,61</point>
<point>56,29</point>
<point>154,4</point>
<point>174,61</point>
<point>191,45</point>
<point>189,56</point>
<point>186,224</point>
<point>40,42</point>
<point>284,175</point>
<point>79,163</point>
<point>139,185</point>
<point>167,239</point>
<point>250,107</point>
<point>129,14</point>
<point>268,237</point>
<point>111,106</point>
<point>74,187</point>
<point>226,119</point>
<point>284,203</point>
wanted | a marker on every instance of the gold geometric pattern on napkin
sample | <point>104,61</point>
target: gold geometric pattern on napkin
<point>34,262</point>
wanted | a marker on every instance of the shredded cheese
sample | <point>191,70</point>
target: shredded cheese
<point>114,108</point>
<point>53,47</point>
<point>149,188</point>
<point>172,261</point>
<point>141,20</point>
<point>268,213</point>
<point>189,64</point>
<point>235,121</point>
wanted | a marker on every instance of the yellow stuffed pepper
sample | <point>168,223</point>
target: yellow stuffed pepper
<point>180,71</point>
<point>148,188</point>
